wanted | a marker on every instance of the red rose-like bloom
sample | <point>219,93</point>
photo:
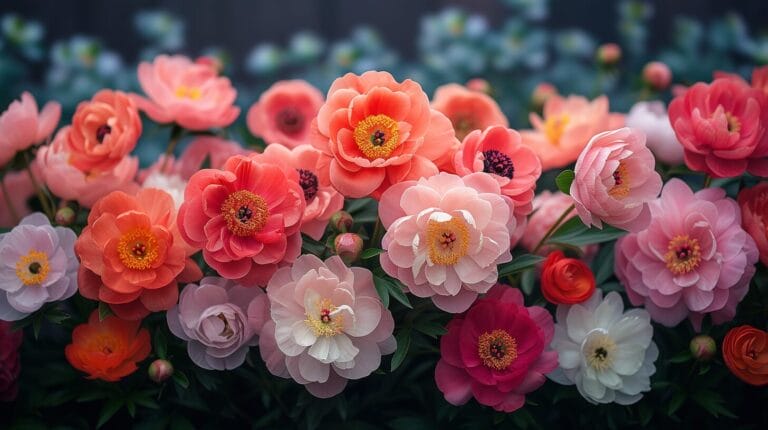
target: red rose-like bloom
<point>754,216</point>
<point>108,349</point>
<point>9,361</point>
<point>497,352</point>
<point>566,281</point>
<point>245,218</point>
<point>745,352</point>
<point>722,127</point>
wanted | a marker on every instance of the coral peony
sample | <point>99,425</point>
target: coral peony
<point>651,118</point>
<point>375,132</point>
<point>220,320</point>
<point>467,109</point>
<point>328,325</point>
<point>245,218</point>
<point>566,127</point>
<point>284,113</point>
<point>21,125</point>
<point>566,281</point>
<point>497,352</point>
<point>722,127</point>
<point>108,349</point>
<point>754,216</point>
<point>190,94</point>
<point>615,179</point>
<point>498,150</point>
<point>16,204</point>
<point>745,352</point>
<point>446,236</point>
<point>131,254</point>
<point>606,352</point>
<point>10,365</point>
<point>693,259</point>
<point>39,266</point>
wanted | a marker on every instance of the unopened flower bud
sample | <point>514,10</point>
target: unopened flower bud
<point>348,246</point>
<point>160,370</point>
<point>65,216</point>
<point>542,93</point>
<point>657,75</point>
<point>703,347</point>
<point>609,54</point>
<point>341,221</point>
<point>480,85</point>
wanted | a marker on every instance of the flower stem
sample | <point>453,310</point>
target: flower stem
<point>707,181</point>
<point>44,201</point>
<point>378,233</point>
<point>176,133</point>
<point>8,202</point>
<point>554,227</point>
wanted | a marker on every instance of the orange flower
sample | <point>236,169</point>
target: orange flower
<point>745,351</point>
<point>566,281</point>
<point>107,349</point>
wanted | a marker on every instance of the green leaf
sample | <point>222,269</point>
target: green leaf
<point>519,264</point>
<point>432,329</point>
<point>394,288</point>
<point>681,357</point>
<point>358,204</point>
<point>527,281</point>
<point>109,409</point>
<point>382,290</point>
<point>564,180</point>
<point>161,343</point>
<point>104,311</point>
<point>180,379</point>
<point>370,253</point>
<point>712,402</point>
<point>56,315</point>
<point>574,233</point>
<point>677,400</point>
<point>403,339</point>
<point>603,264</point>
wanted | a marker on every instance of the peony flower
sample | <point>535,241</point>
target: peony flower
<point>657,75</point>
<point>39,266</point>
<point>10,365</point>
<point>566,127</point>
<point>108,349</point>
<point>190,94</point>
<point>321,198</point>
<point>203,152</point>
<point>328,325</point>
<point>615,179</point>
<point>172,184</point>
<point>132,254</point>
<point>497,352</point>
<point>651,118</point>
<point>104,131</point>
<point>693,259</point>
<point>606,352</point>
<point>499,151</point>
<point>284,113</point>
<point>446,236</point>
<point>566,281</point>
<point>219,320</point>
<point>21,125</point>
<point>375,132</point>
<point>467,109</point>
<point>20,191</point>
<point>722,127</point>
<point>754,216</point>
<point>745,352</point>
<point>245,218</point>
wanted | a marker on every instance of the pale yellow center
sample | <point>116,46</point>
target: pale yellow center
<point>683,254</point>
<point>138,249</point>
<point>32,269</point>
<point>323,321</point>
<point>447,241</point>
<point>620,187</point>
<point>554,127</point>
<point>599,351</point>
<point>185,92</point>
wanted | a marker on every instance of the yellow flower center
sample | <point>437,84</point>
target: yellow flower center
<point>138,249</point>
<point>32,269</point>
<point>245,213</point>
<point>554,127</point>
<point>683,254</point>
<point>323,321</point>
<point>185,92</point>
<point>497,349</point>
<point>599,351</point>
<point>377,136</point>
<point>447,241</point>
<point>620,187</point>
<point>734,125</point>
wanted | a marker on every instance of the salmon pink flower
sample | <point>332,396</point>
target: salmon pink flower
<point>21,125</point>
<point>328,325</point>
<point>203,152</point>
<point>245,217</point>
<point>497,352</point>
<point>285,112</point>
<point>467,109</point>
<point>375,132</point>
<point>615,179</point>
<point>20,191</point>
<point>754,216</point>
<point>446,236</point>
<point>693,259</point>
<point>10,365</point>
<point>192,95</point>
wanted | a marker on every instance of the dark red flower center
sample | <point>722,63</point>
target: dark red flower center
<point>309,184</point>
<point>290,121</point>
<point>497,349</point>
<point>102,132</point>
<point>498,163</point>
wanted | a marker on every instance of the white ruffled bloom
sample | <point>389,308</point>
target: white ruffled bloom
<point>606,352</point>
<point>651,118</point>
<point>171,184</point>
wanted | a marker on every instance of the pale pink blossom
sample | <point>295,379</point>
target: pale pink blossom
<point>21,125</point>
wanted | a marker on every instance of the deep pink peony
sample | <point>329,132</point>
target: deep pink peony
<point>754,216</point>
<point>10,365</point>
<point>615,180</point>
<point>245,217</point>
<point>446,236</point>
<point>285,112</point>
<point>468,110</point>
<point>497,352</point>
<point>21,125</point>
<point>693,259</point>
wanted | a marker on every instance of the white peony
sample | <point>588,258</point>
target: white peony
<point>606,352</point>
<point>171,184</point>
<point>651,118</point>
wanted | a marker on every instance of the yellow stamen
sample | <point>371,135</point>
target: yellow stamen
<point>497,349</point>
<point>599,351</point>
<point>554,127</point>
<point>734,125</point>
<point>377,136</point>
<point>447,241</point>
<point>138,249</point>
<point>32,269</point>
<point>620,188</point>
<point>323,321</point>
<point>185,92</point>
<point>245,213</point>
<point>683,254</point>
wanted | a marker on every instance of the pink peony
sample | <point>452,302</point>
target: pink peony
<point>21,125</point>
<point>208,152</point>
<point>446,235</point>
<point>220,320</point>
<point>497,352</point>
<point>467,109</point>
<point>754,216</point>
<point>284,113</point>
<point>190,94</point>
<point>322,199</point>
<point>20,191</point>
<point>615,180</point>
<point>693,259</point>
<point>245,218</point>
<point>10,365</point>
<point>651,118</point>
<point>328,325</point>
<point>498,150</point>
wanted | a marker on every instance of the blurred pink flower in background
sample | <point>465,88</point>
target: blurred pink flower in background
<point>284,113</point>
<point>21,125</point>
<point>657,75</point>
<point>468,109</point>
<point>20,191</point>
<point>651,118</point>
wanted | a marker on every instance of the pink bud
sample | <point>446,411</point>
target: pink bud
<point>609,54</point>
<point>542,93</point>
<point>65,216</point>
<point>703,347</point>
<point>657,75</point>
<point>160,370</point>
<point>348,246</point>
<point>342,221</point>
<point>480,85</point>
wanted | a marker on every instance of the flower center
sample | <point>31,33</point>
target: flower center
<point>447,241</point>
<point>620,187</point>
<point>290,121</point>
<point>599,351</point>
<point>227,330</point>
<point>554,127</point>
<point>734,125</point>
<point>185,92</point>
<point>463,125</point>
<point>308,182</point>
<point>245,213</point>
<point>497,349</point>
<point>683,254</point>
<point>325,320</point>
<point>102,132</point>
<point>498,163</point>
<point>138,249</point>
<point>377,136</point>
<point>32,269</point>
